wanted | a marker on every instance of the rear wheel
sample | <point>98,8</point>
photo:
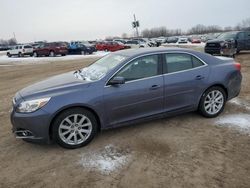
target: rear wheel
<point>51,53</point>
<point>212,102</point>
<point>74,128</point>
<point>19,54</point>
<point>8,54</point>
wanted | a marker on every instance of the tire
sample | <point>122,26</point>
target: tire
<point>8,54</point>
<point>19,54</point>
<point>63,54</point>
<point>52,54</point>
<point>206,104</point>
<point>238,51</point>
<point>35,54</point>
<point>64,127</point>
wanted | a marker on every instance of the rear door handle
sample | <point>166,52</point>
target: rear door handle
<point>199,77</point>
<point>154,87</point>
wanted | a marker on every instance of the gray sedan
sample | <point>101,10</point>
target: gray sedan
<point>123,88</point>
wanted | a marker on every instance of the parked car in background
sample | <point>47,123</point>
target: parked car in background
<point>120,40</point>
<point>77,47</point>
<point>51,49</point>
<point>183,40</point>
<point>135,44</point>
<point>111,46</point>
<point>240,38</point>
<point>121,88</point>
<point>195,40</point>
<point>4,47</point>
<point>172,40</point>
<point>161,40</point>
<point>20,51</point>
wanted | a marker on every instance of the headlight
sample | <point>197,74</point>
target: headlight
<point>32,105</point>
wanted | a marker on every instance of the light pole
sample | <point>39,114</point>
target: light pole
<point>135,25</point>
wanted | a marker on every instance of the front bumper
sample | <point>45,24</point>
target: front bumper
<point>36,124</point>
<point>211,50</point>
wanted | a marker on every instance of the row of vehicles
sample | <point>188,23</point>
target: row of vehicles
<point>76,47</point>
<point>120,44</point>
<point>51,49</point>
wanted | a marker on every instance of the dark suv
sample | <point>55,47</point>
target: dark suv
<point>240,39</point>
<point>51,49</point>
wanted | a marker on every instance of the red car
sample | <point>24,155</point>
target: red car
<point>196,40</point>
<point>51,49</point>
<point>110,46</point>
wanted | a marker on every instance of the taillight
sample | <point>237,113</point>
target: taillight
<point>237,66</point>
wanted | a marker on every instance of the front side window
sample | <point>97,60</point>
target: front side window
<point>176,62</point>
<point>142,67</point>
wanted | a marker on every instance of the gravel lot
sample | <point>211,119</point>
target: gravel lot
<point>183,151</point>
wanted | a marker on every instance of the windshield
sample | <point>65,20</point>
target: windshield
<point>101,67</point>
<point>227,36</point>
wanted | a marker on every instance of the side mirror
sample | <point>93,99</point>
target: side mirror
<point>117,80</point>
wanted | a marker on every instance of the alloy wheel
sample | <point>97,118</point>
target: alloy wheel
<point>213,102</point>
<point>75,129</point>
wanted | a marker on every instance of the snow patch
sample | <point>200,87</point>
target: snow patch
<point>106,160</point>
<point>34,60</point>
<point>240,122</point>
<point>240,102</point>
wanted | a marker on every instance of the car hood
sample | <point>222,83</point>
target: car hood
<point>215,41</point>
<point>55,85</point>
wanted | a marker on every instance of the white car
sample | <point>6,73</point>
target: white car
<point>135,44</point>
<point>183,40</point>
<point>20,51</point>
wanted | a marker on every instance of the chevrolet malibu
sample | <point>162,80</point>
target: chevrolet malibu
<point>123,88</point>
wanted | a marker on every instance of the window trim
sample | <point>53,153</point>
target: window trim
<point>161,64</point>
<point>165,70</point>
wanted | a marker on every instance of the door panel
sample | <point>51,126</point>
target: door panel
<point>184,80</point>
<point>182,89</point>
<point>134,100</point>
<point>141,95</point>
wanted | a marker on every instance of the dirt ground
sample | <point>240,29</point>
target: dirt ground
<point>183,151</point>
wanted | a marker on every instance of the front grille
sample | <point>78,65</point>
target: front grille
<point>214,45</point>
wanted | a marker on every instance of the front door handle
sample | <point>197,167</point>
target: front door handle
<point>199,77</point>
<point>154,87</point>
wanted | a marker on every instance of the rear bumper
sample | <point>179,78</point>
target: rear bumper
<point>234,85</point>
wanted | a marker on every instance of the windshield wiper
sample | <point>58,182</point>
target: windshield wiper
<point>78,74</point>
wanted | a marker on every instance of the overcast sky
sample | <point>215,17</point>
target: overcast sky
<point>93,19</point>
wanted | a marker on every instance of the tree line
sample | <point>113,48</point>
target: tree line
<point>8,42</point>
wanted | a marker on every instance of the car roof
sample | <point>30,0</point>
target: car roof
<point>144,51</point>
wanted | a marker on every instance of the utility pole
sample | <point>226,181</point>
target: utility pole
<point>135,25</point>
<point>14,35</point>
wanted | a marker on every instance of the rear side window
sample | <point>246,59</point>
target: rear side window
<point>248,35</point>
<point>196,62</point>
<point>27,46</point>
<point>241,36</point>
<point>179,62</point>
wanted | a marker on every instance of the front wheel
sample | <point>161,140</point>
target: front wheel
<point>74,128</point>
<point>212,102</point>
<point>35,54</point>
